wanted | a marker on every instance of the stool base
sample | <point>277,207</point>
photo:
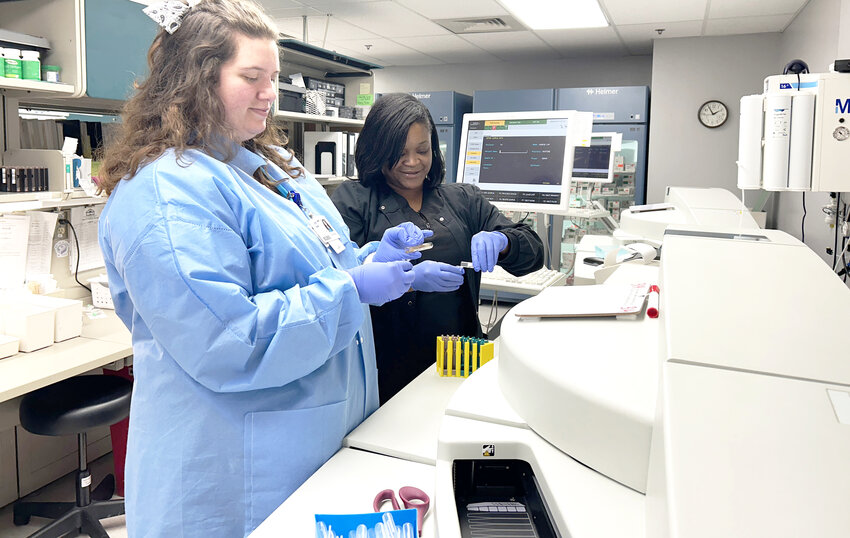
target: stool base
<point>73,516</point>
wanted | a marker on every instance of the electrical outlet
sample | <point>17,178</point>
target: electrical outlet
<point>62,228</point>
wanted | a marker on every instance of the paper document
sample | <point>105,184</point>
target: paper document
<point>13,250</point>
<point>84,222</point>
<point>40,244</point>
<point>580,301</point>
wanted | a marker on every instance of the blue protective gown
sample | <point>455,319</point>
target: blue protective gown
<point>253,356</point>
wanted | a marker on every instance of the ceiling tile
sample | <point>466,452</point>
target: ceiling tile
<point>271,5</point>
<point>337,29</point>
<point>513,46</point>
<point>350,52</point>
<point>387,19</point>
<point>727,9</point>
<point>654,11</point>
<point>454,9</point>
<point>641,32</point>
<point>384,51</point>
<point>284,13</point>
<point>747,25</point>
<point>326,4</point>
<point>638,38</point>
<point>449,48</point>
<point>584,41</point>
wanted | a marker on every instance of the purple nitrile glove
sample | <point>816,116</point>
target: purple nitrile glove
<point>436,276</point>
<point>486,247</point>
<point>381,282</point>
<point>396,239</point>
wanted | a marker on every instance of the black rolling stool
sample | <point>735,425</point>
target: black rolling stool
<point>71,406</point>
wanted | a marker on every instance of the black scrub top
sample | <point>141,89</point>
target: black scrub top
<point>406,329</point>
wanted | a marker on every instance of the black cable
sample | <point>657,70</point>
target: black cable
<point>803,223</point>
<point>77,243</point>
<point>835,236</point>
<point>844,241</point>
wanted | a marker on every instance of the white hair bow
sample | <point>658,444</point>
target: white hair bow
<point>169,13</point>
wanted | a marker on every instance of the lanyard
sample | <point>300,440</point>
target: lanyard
<point>318,224</point>
<point>286,191</point>
<point>293,195</point>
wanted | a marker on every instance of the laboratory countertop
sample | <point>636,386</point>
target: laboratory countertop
<point>396,446</point>
<point>408,424</point>
<point>103,341</point>
<point>347,484</point>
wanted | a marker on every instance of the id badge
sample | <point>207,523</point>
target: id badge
<point>326,234</point>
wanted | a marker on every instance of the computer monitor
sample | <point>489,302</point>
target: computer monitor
<point>595,163</point>
<point>522,161</point>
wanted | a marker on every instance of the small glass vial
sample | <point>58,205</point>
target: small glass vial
<point>30,65</point>
<point>51,73</point>
<point>12,59</point>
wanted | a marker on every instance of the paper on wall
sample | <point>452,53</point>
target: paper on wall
<point>84,222</point>
<point>40,243</point>
<point>13,250</point>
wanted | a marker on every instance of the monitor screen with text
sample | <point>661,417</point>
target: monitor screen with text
<point>519,160</point>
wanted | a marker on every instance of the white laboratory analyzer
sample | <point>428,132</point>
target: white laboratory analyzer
<point>727,415</point>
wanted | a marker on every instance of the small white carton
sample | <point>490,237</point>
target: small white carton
<point>33,325</point>
<point>69,315</point>
<point>8,345</point>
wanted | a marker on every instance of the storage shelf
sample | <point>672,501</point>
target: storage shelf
<point>334,180</point>
<point>32,201</point>
<point>298,53</point>
<point>21,86</point>
<point>314,118</point>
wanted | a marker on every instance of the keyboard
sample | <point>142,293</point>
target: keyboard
<point>530,284</point>
<point>590,212</point>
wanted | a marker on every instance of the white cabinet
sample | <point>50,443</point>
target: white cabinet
<point>8,468</point>
<point>59,21</point>
<point>8,457</point>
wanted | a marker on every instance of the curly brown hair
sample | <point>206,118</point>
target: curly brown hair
<point>177,105</point>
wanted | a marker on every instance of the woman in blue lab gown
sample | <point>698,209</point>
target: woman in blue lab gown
<point>253,350</point>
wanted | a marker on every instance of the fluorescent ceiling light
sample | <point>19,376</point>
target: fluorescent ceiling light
<point>557,14</point>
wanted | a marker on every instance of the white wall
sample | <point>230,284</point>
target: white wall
<point>686,72</point>
<point>844,30</point>
<point>466,78</point>
<point>812,37</point>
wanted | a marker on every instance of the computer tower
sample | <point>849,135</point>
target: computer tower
<point>329,154</point>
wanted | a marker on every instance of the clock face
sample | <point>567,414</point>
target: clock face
<point>713,114</point>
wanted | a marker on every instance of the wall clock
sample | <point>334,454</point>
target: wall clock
<point>712,113</point>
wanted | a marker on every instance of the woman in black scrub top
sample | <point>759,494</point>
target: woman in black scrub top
<point>401,172</point>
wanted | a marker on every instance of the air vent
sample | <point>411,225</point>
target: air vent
<point>480,25</point>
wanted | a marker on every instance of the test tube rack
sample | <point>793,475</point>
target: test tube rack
<point>459,356</point>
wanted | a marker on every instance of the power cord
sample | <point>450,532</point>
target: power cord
<point>835,256</point>
<point>803,222</point>
<point>77,244</point>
